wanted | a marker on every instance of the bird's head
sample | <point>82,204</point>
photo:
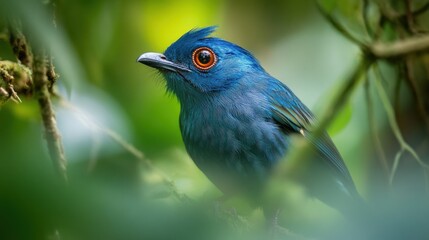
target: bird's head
<point>197,64</point>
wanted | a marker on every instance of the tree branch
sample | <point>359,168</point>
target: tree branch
<point>20,47</point>
<point>400,48</point>
<point>16,80</point>
<point>392,15</point>
<point>52,135</point>
<point>338,102</point>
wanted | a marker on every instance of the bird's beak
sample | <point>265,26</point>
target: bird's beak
<point>159,61</point>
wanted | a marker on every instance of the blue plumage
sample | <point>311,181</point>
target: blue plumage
<point>236,120</point>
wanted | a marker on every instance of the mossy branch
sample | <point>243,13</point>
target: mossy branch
<point>20,47</point>
<point>16,79</point>
<point>36,77</point>
<point>52,135</point>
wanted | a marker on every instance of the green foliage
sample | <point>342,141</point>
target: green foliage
<point>349,14</point>
<point>341,120</point>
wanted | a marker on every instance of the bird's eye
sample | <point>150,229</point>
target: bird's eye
<point>204,58</point>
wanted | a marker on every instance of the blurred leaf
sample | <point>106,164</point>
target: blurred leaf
<point>371,17</point>
<point>389,34</point>
<point>341,121</point>
<point>25,110</point>
<point>327,5</point>
<point>349,14</point>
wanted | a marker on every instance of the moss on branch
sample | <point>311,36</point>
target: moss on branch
<point>15,80</point>
<point>52,135</point>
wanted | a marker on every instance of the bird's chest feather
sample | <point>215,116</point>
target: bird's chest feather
<point>235,136</point>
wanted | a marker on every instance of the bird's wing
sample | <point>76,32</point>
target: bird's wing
<point>293,116</point>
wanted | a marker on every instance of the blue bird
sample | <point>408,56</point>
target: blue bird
<point>237,121</point>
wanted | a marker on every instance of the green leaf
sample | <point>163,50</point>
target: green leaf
<point>341,121</point>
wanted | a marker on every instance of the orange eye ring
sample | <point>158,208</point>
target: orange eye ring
<point>204,58</point>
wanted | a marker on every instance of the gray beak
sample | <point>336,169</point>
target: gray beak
<point>159,61</point>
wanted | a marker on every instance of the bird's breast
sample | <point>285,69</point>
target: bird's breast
<point>238,139</point>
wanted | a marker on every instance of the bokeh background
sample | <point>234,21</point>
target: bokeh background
<point>107,97</point>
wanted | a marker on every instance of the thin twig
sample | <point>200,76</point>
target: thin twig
<point>410,17</point>
<point>4,93</point>
<point>338,102</point>
<point>340,28</point>
<point>397,95</point>
<point>382,50</point>
<point>409,77</point>
<point>373,129</point>
<point>112,134</point>
<point>393,124</point>
<point>395,165</point>
<point>393,16</point>
<point>14,96</point>
<point>421,10</point>
<point>387,11</point>
<point>52,135</point>
<point>15,77</point>
<point>365,11</point>
<point>139,155</point>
